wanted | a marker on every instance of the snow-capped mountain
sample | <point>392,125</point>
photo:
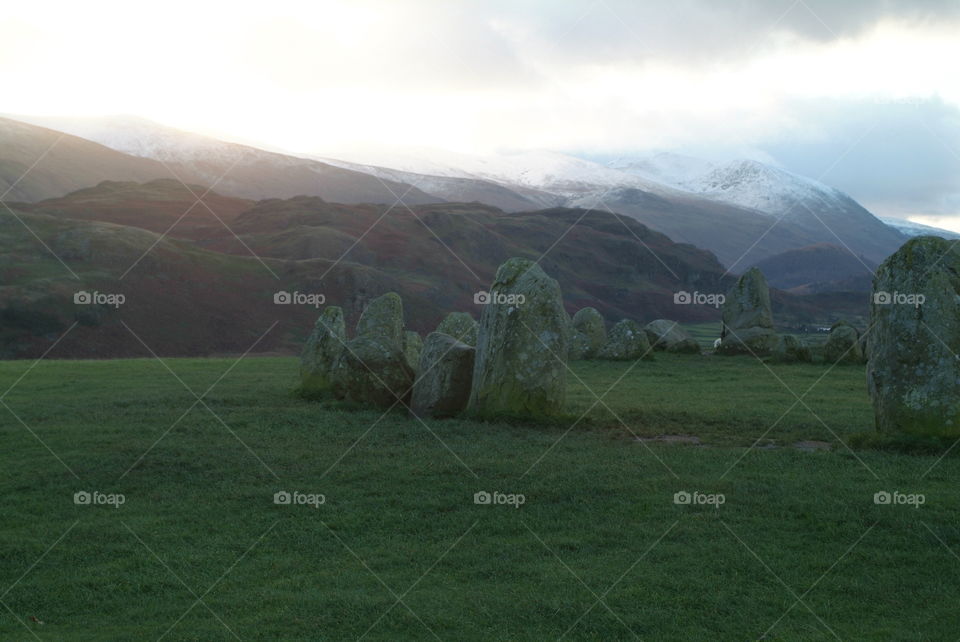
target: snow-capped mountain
<point>742,210</point>
<point>234,169</point>
<point>675,170</point>
<point>909,228</point>
<point>765,188</point>
<point>554,172</point>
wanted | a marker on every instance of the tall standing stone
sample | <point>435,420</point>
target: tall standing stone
<point>461,326</point>
<point>747,304</point>
<point>321,351</point>
<point>913,373</point>
<point>520,366</point>
<point>747,315</point>
<point>373,369</point>
<point>589,334</point>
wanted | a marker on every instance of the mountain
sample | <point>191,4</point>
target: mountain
<point>38,163</point>
<point>909,228</point>
<point>551,172</point>
<point>818,268</point>
<point>743,211</point>
<point>461,189</point>
<point>825,213</point>
<point>674,170</point>
<point>236,170</point>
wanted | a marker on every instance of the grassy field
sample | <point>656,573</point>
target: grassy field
<point>598,550</point>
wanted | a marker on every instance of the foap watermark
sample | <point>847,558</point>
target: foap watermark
<point>698,298</point>
<point>296,498</point>
<point>96,498</point>
<point>496,498</point>
<point>299,298</point>
<point>896,498</point>
<point>696,498</point>
<point>498,298</point>
<point>83,297</point>
<point>898,298</point>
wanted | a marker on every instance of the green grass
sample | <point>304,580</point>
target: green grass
<point>400,520</point>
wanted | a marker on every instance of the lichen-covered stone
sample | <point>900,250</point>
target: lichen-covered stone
<point>626,341</point>
<point>444,376</point>
<point>588,334</point>
<point>412,345</point>
<point>843,345</point>
<point>373,368</point>
<point>321,351</point>
<point>790,349</point>
<point>460,326</point>
<point>520,366</point>
<point>913,373</point>
<point>670,337</point>
<point>747,304</point>
<point>759,342</point>
<point>383,317</point>
<point>747,318</point>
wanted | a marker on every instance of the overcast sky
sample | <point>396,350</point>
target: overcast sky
<point>864,95</point>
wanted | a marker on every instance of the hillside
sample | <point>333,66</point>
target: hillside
<point>818,268</point>
<point>149,151</point>
<point>199,290</point>
<point>207,288</point>
<point>822,211</point>
<point>38,163</point>
<point>162,205</point>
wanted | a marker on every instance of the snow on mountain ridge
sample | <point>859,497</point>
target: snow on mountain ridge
<point>909,228</point>
<point>675,170</point>
<point>542,170</point>
<point>765,188</point>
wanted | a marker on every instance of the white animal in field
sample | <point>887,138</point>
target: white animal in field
<point>716,343</point>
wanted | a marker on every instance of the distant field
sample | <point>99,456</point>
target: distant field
<point>399,550</point>
<point>707,333</point>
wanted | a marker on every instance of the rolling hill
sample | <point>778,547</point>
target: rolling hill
<point>818,268</point>
<point>38,163</point>
<point>142,151</point>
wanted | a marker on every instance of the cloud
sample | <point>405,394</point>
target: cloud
<point>899,158</point>
<point>686,31</point>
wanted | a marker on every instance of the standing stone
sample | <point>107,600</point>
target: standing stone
<point>790,349</point>
<point>461,326</point>
<point>913,374</point>
<point>669,336</point>
<point>588,334</point>
<point>747,304</point>
<point>412,345</point>
<point>445,373</point>
<point>383,317</point>
<point>373,369</point>
<point>321,351</point>
<point>747,326</point>
<point>843,345</point>
<point>627,341</point>
<point>522,343</point>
